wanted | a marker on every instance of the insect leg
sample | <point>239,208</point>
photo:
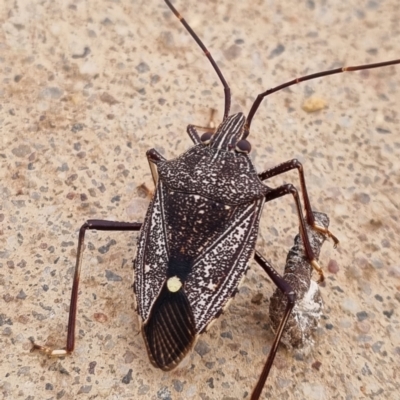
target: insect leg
<point>153,157</point>
<point>306,313</point>
<point>101,225</point>
<point>288,166</point>
<point>194,135</point>
<point>291,297</point>
<point>290,189</point>
<point>192,129</point>
<point>291,290</point>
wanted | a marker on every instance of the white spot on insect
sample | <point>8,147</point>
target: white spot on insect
<point>307,306</point>
<point>306,314</point>
<point>147,268</point>
<point>174,284</point>
<point>227,207</point>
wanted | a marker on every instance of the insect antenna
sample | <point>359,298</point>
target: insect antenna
<point>261,96</point>
<point>227,89</point>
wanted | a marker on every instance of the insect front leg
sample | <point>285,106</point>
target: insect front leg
<point>193,134</point>
<point>286,289</point>
<point>288,166</point>
<point>210,129</point>
<point>153,157</point>
<point>92,224</point>
<point>290,189</point>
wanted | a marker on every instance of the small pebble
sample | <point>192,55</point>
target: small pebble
<point>362,315</point>
<point>178,385</point>
<point>227,335</point>
<point>100,317</point>
<point>128,357</point>
<point>7,298</point>
<point>377,263</point>
<point>313,104</point>
<point>164,394</point>
<point>85,389</point>
<point>202,348</point>
<point>349,305</point>
<point>365,287</point>
<point>51,93</point>
<point>112,276</point>
<point>107,98</point>
<point>128,377</point>
<point>92,366</point>
<point>77,128</point>
<point>142,68</point>
<point>282,383</point>
<point>363,326</point>
<point>388,313</point>
<point>345,323</point>
<point>257,298</point>
<point>7,331</point>
<point>394,271</point>
<point>333,267</point>
<point>21,295</point>
<point>143,389</point>
<point>316,365</point>
<point>376,347</point>
<point>313,391</point>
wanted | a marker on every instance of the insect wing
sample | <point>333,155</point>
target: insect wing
<point>218,270</point>
<point>151,261</point>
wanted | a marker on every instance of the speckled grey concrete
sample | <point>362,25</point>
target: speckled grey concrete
<point>88,86</point>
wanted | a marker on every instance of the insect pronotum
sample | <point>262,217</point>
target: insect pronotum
<point>200,231</point>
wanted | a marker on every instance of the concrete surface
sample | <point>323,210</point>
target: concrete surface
<point>88,86</point>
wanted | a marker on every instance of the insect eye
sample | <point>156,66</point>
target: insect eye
<point>206,137</point>
<point>243,146</point>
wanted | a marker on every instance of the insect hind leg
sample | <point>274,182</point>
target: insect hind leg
<point>91,224</point>
<point>291,298</point>
<point>290,189</point>
<point>296,164</point>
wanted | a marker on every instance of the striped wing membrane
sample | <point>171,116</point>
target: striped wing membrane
<point>170,331</point>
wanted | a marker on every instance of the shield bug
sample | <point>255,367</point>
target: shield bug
<point>200,230</point>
